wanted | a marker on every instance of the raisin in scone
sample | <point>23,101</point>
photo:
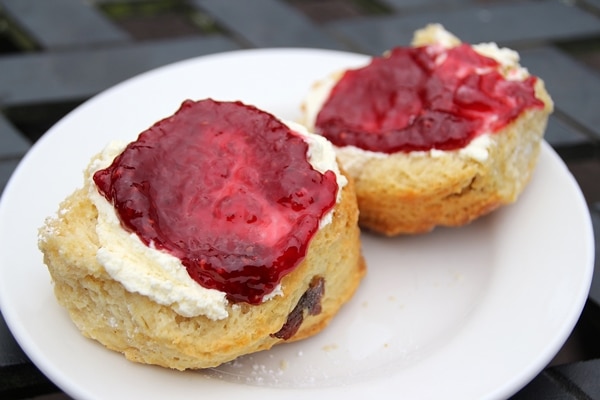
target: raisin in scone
<point>220,231</point>
<point>435,134</point>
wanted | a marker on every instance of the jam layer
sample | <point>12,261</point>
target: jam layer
<point>423,98</point>
<point>227,189</point>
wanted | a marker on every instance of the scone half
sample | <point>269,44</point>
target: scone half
<point>407,192</point>
<point>148,332</point>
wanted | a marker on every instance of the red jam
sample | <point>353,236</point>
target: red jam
<point>227,189</point>
<point>423,98</point>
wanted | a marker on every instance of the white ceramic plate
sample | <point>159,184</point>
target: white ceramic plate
<point>460,313</point>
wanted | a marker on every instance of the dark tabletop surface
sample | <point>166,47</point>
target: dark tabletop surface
<point>56,54</point>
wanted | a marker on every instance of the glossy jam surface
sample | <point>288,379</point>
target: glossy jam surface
<point>422,98</point>
<point>227,189</point>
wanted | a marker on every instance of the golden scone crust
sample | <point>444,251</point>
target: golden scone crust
<point>147,332</point>
<point>405,193</point>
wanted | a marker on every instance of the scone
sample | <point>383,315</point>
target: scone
<point>220,231</point>
<point>435,134</point>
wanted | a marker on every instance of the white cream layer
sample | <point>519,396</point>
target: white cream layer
<point>161,276</point>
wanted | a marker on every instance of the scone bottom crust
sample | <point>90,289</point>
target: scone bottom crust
<point>200,186</point>
<point>422,98</point>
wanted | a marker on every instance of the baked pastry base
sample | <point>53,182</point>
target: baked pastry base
<point>407,194</point>
<point>150,333</point>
